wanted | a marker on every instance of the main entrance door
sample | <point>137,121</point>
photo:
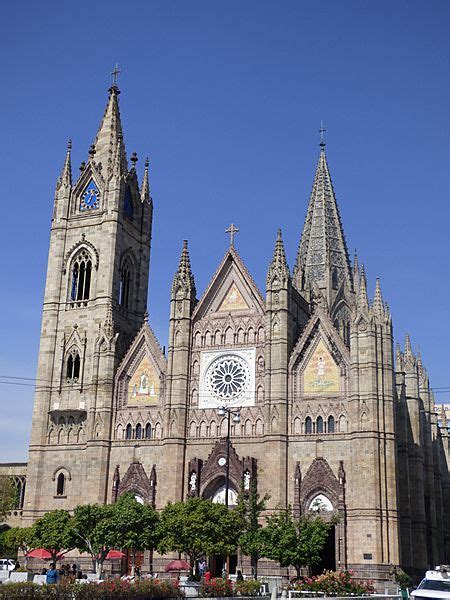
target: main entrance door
<point>218,563</point>
<point>328,561</point>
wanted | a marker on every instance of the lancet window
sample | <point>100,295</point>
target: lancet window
<point>81,273</point>
<point>73,366</point>
<point>60,484</point>
<point>125,284</point>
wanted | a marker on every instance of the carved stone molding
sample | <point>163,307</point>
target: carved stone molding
<point>137,481</point>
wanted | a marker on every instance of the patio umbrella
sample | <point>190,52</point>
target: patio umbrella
<point>177,565</point>
<point>114,554</point>
<point>42,553</point>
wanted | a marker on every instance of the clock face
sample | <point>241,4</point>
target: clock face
<point>222,461</point>
<point>91,197</point>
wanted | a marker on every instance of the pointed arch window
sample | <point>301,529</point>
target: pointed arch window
<point>330,424</point>
<point>128,204</point>
<point>81,273</point>
<point>148,431</point>
<point>128,432</point>
<point>138,431</point>
<point>319,425</point>
<point>73,366</point>
<point>125,284</point>
<point>308,425</point>
<point>60,484</point>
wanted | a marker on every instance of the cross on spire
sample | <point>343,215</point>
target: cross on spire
<point>232,230</point>
<point>115,74</point>
<point>322,130</point>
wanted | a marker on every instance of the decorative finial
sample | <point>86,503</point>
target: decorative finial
<point>232,230</point>
<point>146,316</point>
<point>92,151</point>
<point>147,163</point>
<point>82,166</point>
<point>185,244</point>
<point>134,159</point>
<point>322,130</point>
<point>69,145</point>
<point>115,74</point>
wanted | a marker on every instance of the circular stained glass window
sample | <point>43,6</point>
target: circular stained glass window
<point>228,377</point>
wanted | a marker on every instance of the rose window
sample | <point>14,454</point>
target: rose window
<point>228,377</point>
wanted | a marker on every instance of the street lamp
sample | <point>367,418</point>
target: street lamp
<point>236,414</point>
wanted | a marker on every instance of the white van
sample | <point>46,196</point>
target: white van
<point>435,585</point>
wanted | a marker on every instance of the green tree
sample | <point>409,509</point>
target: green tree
<point>53,532</point>
<point>8,496</point>
<point>197,527</point>
<point>17,539</point>
<point>92,526</point>
<point>135,526</point>
<point>296,542</point>
<point>252,539</point>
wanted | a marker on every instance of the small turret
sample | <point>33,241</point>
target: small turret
<point>65,179</point>
<point>145,187</point>
<point>377,304</point>
<point>278,268</point>
<point>183,282</point>
<point>362,301</point>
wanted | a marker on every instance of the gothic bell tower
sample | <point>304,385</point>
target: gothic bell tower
<point>94,303</point>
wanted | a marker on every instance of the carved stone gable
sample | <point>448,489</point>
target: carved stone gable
<point>320,479</point>
<point>215,467</point>
<point>136,480</point>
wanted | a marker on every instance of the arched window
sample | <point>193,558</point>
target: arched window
<point>128,432</point>
<point>73,366</point>
<point>138,431</point>
<point>334,279</point>
<point>330,424</point>
<point>60,484</point>
<point>148,431</point>
<point>125,284</point>
<point>319,425</point>
<point>81,277</point>
<point>308,425</point>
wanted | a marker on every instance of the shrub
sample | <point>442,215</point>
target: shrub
<point>217,588</point>
<point>248,587</point>
<point>107,590</point>
<point>335,583</point>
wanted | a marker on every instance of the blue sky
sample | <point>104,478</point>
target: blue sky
<point>226,99</point>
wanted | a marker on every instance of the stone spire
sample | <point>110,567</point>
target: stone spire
<point>145,187</point>
<point>378,304</point>
<point>278,267</point>
<point>65,179</point>
<point>398,358</point>
<point>108,146</point>
<point>322,255</point>
<point>443,417</point>
<point>408,356</point>
<point>363,301</point>
<point>184,279</point>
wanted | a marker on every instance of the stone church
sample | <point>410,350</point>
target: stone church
<point>322,413</point>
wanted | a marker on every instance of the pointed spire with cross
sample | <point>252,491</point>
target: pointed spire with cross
<point>232,230</point>
<point>115,74</point>
<point>322,130</point>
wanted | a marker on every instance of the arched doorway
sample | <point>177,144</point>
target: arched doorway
<point>216,492</point>
<point>320,505</point>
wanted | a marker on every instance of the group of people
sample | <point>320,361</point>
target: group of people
<point>205,573</point>
<point>64,573</point>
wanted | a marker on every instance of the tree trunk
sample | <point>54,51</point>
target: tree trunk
<point>297,568</point>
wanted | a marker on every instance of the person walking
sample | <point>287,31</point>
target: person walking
<point>51,576</point>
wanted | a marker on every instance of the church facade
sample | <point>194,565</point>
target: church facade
<point>326,417</point>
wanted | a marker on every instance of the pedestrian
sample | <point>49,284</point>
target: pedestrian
<point>239,576</point>
<point>51,576</point>
<point>207,576</point>
<point>202,567</point>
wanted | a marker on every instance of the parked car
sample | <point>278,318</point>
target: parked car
<point>436,584</point>
<point>7,564</point>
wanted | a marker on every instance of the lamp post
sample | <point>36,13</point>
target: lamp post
<point>236,414</point>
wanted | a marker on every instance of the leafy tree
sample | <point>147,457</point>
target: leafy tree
<point>92,525</point>
<point>197,527</point>
<point>135,526</point>
<point>53,532</point>
<point>295,542</point>
<point>8,496</point>
<point>252,540</point>
<point>17,538</point>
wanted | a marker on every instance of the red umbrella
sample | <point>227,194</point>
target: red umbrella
<point>114,554</point>
<point>42,553</point>
<point>178,565</point>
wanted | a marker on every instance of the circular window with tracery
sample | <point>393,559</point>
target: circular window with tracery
<point>228,377</point>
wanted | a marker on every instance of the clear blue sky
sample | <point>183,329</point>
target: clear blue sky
<point>226,98</point>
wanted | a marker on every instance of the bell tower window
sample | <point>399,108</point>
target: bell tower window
<point>60,484</point>
<point>81,277</point>
<point>124,285</point>
<point>73,366</point>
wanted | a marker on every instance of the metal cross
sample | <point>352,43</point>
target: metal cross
<point>322,131</point>
<point>232,230</point>
<point>115,74</point>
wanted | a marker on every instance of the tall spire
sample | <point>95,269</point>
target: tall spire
<point>322,255</point>
<point>65,179</point>
<point>278,266</point>
<point>108,145</point>
<point>363,301</point>
<point>145,187</point>
<point>184,279</point>
<point>378,304</point>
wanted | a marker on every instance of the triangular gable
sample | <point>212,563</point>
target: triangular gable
<point>231,289</point>
<point>320,355</point>
<point>140,376</point>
